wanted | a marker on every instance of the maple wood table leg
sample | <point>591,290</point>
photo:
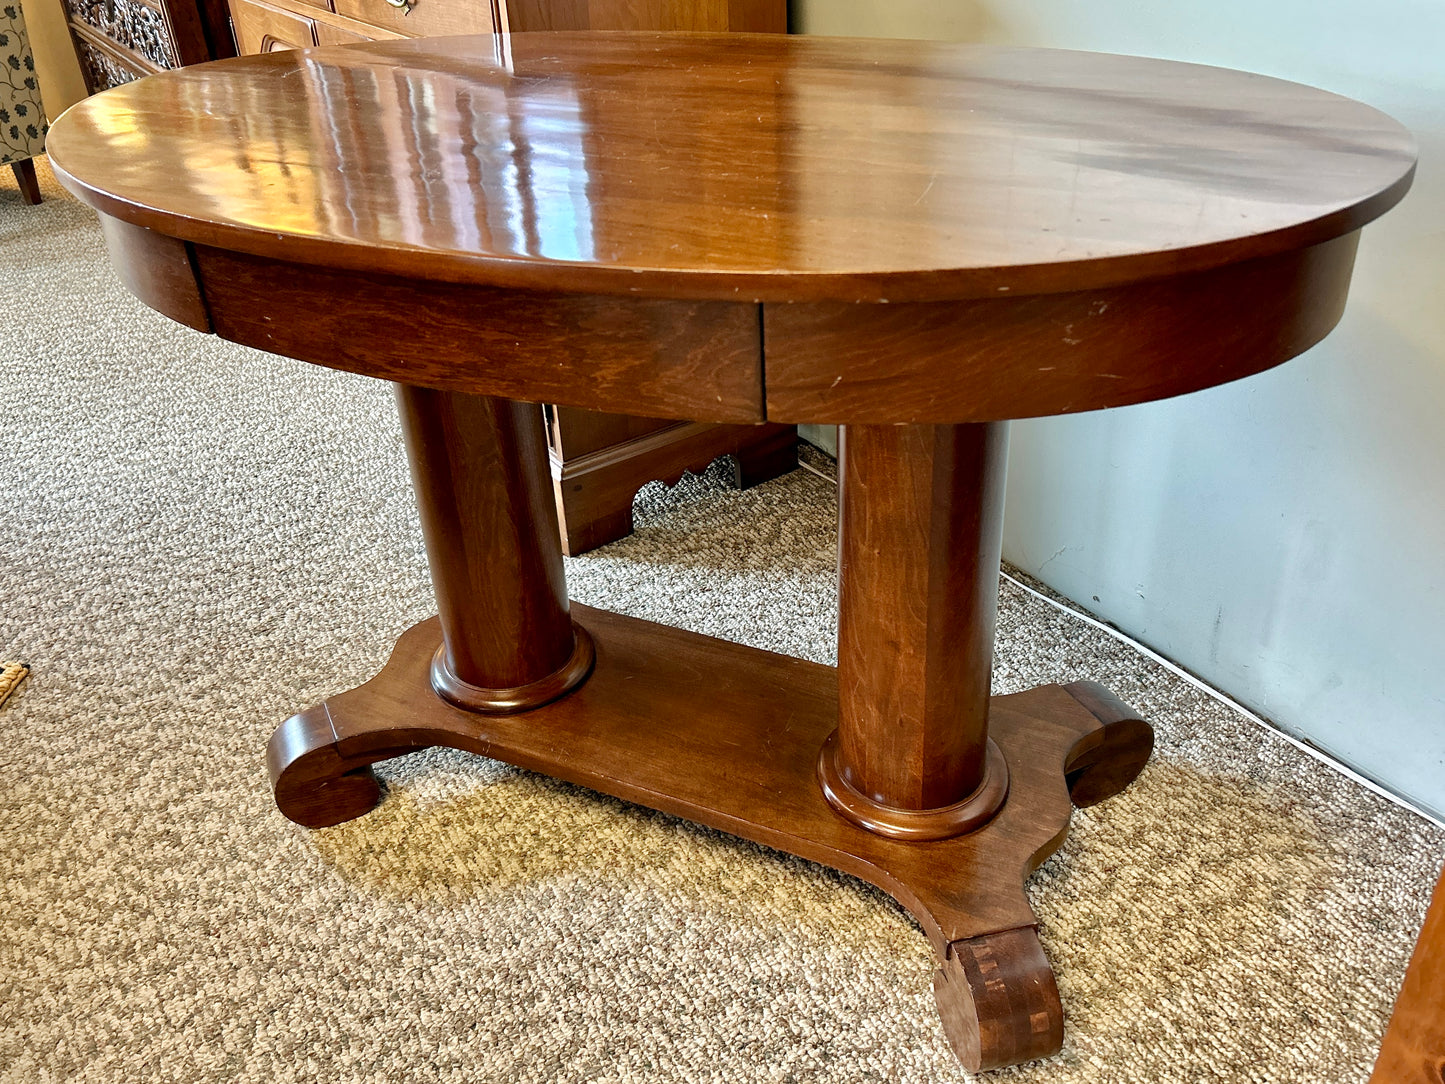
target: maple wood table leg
<point>508,644</point>
<point>920,524</point>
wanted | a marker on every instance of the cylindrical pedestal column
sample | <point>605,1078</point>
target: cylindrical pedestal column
<point>920,522</point>
<point>483,488</point>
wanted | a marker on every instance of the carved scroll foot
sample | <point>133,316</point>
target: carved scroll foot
<point>314,785</point>
<point>1108,760</point>
<point>998,1000</point>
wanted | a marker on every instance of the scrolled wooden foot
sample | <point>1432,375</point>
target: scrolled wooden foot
<point>313,784</point>
<point>1108,760</point>
<point>998,1000</point>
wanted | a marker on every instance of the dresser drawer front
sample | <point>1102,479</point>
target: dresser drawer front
<point>260,28</point>
<point>427,18</point>
<point>329,32</point>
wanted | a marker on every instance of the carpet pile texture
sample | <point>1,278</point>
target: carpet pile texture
<point>201,539</point>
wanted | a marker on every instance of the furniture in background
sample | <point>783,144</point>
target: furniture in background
<point>916,241</point>
<point>117,41</point>
<point>1414,1048</point>
<point>599,459</point>
<point>265,25</point>
<point>22,114</point>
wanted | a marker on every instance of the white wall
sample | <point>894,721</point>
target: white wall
<point>1283,537</point>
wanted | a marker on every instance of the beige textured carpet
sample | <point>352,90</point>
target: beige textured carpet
<point>201,539</point>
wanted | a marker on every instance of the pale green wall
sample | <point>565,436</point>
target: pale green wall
<point>1283,537</point>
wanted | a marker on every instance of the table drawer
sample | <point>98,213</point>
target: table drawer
<point>260,28</point>
<point>427,18</point>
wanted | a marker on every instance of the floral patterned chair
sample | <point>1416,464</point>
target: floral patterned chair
<point>22,117</point>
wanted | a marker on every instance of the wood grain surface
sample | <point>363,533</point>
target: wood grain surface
<point>484,494</point>
<point>1023,357</point>
<point>665,358</point>
<point>1414,1048</point>
<point>998,1001</point>
<point>739,167</point>
<point>158,270</point>
<point>740,758</point>
<point>920,527</point>
<point>762,16</point>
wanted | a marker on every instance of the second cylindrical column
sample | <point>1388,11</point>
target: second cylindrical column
<point>920,521</point>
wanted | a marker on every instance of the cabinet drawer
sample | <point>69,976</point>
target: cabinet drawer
<point>335,33</point>
<point>260,28</point>
<point>427,18</point>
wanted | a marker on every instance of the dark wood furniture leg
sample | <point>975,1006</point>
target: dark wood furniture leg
<point>479,467</point>
<point>920,529</point>
<point>1413,1051</point>
<point>27,180</point>
<point>940,795</point>
<point>920,522</point>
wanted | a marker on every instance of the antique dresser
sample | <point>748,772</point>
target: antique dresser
<point>120,40</point>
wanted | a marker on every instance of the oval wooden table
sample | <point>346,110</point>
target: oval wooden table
<point>916,241</point>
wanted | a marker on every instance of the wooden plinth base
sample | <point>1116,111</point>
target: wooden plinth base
<point>729,736</point>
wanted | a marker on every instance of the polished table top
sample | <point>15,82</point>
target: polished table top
<point>757,167</point>
<point>708,226</point>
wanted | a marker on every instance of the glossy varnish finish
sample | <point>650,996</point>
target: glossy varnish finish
<point>479,466</point>
<point>902,171</point>
<point>733,229</point>
<point>594,492</point>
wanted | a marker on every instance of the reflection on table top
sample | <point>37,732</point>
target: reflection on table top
<point>735,166</point>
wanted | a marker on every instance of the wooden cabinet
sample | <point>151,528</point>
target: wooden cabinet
<point>420,18</point>
<point>261,28</point>
<point>599,461</point>
<point>342,32</point>
<point>120,40</point>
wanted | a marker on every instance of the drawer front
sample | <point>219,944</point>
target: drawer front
<point>260,28</point>
<point>330,33</point>
<point>426,18</point>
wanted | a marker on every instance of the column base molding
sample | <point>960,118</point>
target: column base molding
<point>917,825</point>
